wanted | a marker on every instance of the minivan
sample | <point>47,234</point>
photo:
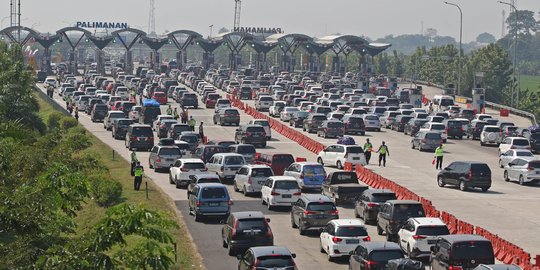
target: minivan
<point>225,165</point>
<point>139,137</point>
<point>277,161</point>
<point>461,251</point>
<point>250,178</point>
<point>454,128</point>
<point>310,175</point>
<point>209,199</point>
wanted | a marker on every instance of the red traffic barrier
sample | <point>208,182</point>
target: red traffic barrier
<point>301,159</point>
<point>504,112</point>
<point>347,166</point>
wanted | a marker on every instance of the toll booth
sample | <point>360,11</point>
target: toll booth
<point>450,89</point>
<point>478,99</point>
<point>392,84</point>
<point>415,97</point>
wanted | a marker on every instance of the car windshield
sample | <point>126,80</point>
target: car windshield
<point>234,160</point>
<point>351,231</point>
<point>286,185</point>
<point>383,197</point>
<point>213,193</point>
<point>275,262</point>
<point>404,211</point>
<point>245,149</point>
<point>472,250</point>
<point>520,142</point>
<point>261,123</point>
<point>314,169</point>
<point>170,151</point>
<point>193,165</point>
<point>385,255</point>
<point>433,136</point>
<point>321,206</point>
<point>262,172</point>
<point>432,230</point>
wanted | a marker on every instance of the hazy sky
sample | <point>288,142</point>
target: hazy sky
<point>375,18</point>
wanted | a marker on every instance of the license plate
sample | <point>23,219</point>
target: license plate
<point>213,204</point>
<point>356,158</point>
<point>352,241</point>
<point>286,196</point>
<point>170,159</point>
<point>320,216</point>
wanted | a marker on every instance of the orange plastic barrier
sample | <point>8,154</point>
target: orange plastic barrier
<point>301,159</point>
<point>504,112</point>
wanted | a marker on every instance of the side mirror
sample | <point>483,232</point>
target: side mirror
<point>510,164</point>
<point>293,255</point>
<point>239,257</point>
<point>268,220</point>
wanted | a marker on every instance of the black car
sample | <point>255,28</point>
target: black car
<point>454,128</point>
<point>399,124</point>
<point>367,205</point>
<point>476,129</point>
<point>244,230</point>
<point>394,213</point>
<point>245,92</point>
<point>120,127</point>
<point>251,134</point>
<point>354,124</point>
<point>412,127</point>
<point>461,251</point>
<point>297,118</point>
<point>176,129</point>
<point>331,128</point>
<point>189,100</point>
<point>313,122</point>
<point>91,103</point>
<point>534,139</point>
<point>466,174</point>
<point>99,112</point>
<point>374,255</point>
<point>312,211</point>
<point>272,257</point>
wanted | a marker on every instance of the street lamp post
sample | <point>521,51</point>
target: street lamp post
<point>460,40</point>
<point>515,90</point>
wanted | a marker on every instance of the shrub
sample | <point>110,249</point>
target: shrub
<point>54,120</point>
<point>68,122</point>
<point>106,191</point>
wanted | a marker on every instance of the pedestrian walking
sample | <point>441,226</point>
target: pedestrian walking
<point>192,123</point>
<point>134,161</point>
<point>201,131</point>
<point>439,153</point>
<point>368,148</point>
<point>77,113</point>
<point>138,172</point>
<point>169,110</point>
<point>175,114</point>
<point>383,152</point>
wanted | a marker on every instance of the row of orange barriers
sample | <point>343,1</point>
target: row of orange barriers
<point>504,251</point>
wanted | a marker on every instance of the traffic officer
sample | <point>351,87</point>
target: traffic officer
<point>169,110</point>
<point>77,113</point>
<point>192,123</point>
<point>175,114</point>
<point>368,148</point>
<point>138,172</point>
<point>439,153</point>
<point>383,152</point>
<point>134,161</point>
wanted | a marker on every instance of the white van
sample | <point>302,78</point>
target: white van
<point>443,101</point>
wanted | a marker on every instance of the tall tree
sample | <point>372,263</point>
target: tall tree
<point>485,38</point>
<point>523,22</point>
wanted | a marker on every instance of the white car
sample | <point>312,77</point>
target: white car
<point>183,168</point>
<point>372,122</point>
<point>250,178</point>
<point>223,103</point>
<point>510,155</point>
<point>135,113</point>
<point>287,113</point>
<point>263,103</point>
<point>388,118</point>
<point>437,127</point>
<point>280,191</point>
<point>338,154</point>
<point>273,111</point>
<point>341,236</point>
<point>490,134</point>
<point>157,122</point>
<point>111,115</point>
<point>418,235</point>
<point>514,143</point>
<point>225,165</point>
<point>482,116</point>
<point>51,81</point>
<point>523,171</point>
<point>264,123</point>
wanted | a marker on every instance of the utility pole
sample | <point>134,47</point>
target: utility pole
<point>152,18</point>
<point>515,89</point>
<point>458,88</point>
<point>237,9</point>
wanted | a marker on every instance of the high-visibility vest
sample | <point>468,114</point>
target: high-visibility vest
<point>439,152</point>
<point>138,171</point>
<point>368,147</point>
<point>383,150</point>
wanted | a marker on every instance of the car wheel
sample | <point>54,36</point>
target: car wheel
<point>521,180</point>
<point>230,250</point>
<point>389,237</point>
<point>440,181</point>
<point>235,187</point>
<point>270,207</point>
<point>482,143</point>
<point>379,229</point>
<point>506,176</point>
<point>339,165</point>
<point>320,161</point>
<point>321,248</point>
<point>300,230</point>
<point>462,186</point>
<point>293,225</point>
<point>485,189</point>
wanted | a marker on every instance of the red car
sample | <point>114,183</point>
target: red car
<point>211,100</point>
<point>160,97</point>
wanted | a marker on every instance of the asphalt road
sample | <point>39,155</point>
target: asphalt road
<point>506,210</point>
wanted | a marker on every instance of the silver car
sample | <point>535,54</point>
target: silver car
<point>372,122</point>
<point>523,171</point>
<point>163,156</point>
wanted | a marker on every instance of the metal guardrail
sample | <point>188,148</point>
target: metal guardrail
<point>490,105</point>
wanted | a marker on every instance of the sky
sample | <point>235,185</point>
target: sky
<point>375,18</point>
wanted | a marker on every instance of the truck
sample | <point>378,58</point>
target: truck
<point>150,111</point>
<point>342,187</point>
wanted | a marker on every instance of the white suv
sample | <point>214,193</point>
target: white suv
<point>514,143</point>
<point>436,127</point>
<point>490,134</point>
<point>280,191</point>
<point>341,236</point>
<point>225,165</point>
<point>263,103</point>
<point>265,124</point>
<point>183,168</point>
<point>338,154</point>
<point>418,235</point>
<point>250,178</point>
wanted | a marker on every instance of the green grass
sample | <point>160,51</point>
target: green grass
<point>187,256</point>
<point>530,82</point>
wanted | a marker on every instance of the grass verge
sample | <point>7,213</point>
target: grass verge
<point>187,257</point>
<point>531,83</point>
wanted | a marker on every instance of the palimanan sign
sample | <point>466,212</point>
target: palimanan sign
<point>259,30</point>
<point>108,25</point>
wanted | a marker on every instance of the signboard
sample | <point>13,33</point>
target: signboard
<point>259,30</point>
<point>107,25</point>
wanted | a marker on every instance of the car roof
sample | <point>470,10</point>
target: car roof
<point>203,185</point>
<point>348,222</point>
<point>403,202</point>
<point>228,155</point>
<point>256,166</point>
<point>378,191</point>
<point>270,250</point>
<point>305,163</point>
<point>191,160</point>
<point>428,221</point>
<point>453,238</point>
<point>517,138</point>
<point>282,178</point>
<point>316,197</point>
<point>377,245</point>
<point>248,214</point>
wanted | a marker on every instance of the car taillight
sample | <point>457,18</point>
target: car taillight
<point>369,264</point>
<point>336,239</point>
<point>334,212</point>
<point>366,239</point>
<point>198,203</point>
<point>229,202</point>
<point>274,193</point>
<point>133,138</point>
<point>371,204</point>
<point>297,193</point>
<point>469,175</point>
<point>306,212</point>
<point>416,237</point>
<point>158,159</point>
<point>452,267</point>
<point>302,176</point>
<point>184,170</point>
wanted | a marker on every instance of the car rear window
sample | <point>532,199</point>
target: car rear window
<point>193,165</point>
<point>283,159</point>
<point>235,112</point>
<point>255,129</point>
<point>234,160</point>
<point>383,197</point>
<point>432,230</point>
<point>524,154</point>
<point>405,119</point>
<point>492,129</point>
<point>157,94</point>
<point>208,180</point>
<point>142,131</point>
<point>189,138</point>
<point>245,149</point>
<point>321,206</point>
<point>266,99</point>
<point>354,150</point>
<point>319,117</point>
<point>314,169</point>
<point>124,123</point>
<point>261,123</point>
<point>433,136</point>
<point>335,124</point>
<point>182,146</point>
<point>420,122</point>
<point>385,255</point>
<point>472,250</point>
<point>170,151</point>
<point>213,193</point>
<point>379,110</point>
<point>351,231</point>
<point>189,96</point>
<point>404,211</point>
<point>534,164</point>
<point>437,127</point>
<point>454,124</point>
<point>480,168</point>
<point>372,117</point>
<point>521,142</point>
<point>275,262</point>
<point>286,185</point>
<point>262,172</point>
<point>255,225</point>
